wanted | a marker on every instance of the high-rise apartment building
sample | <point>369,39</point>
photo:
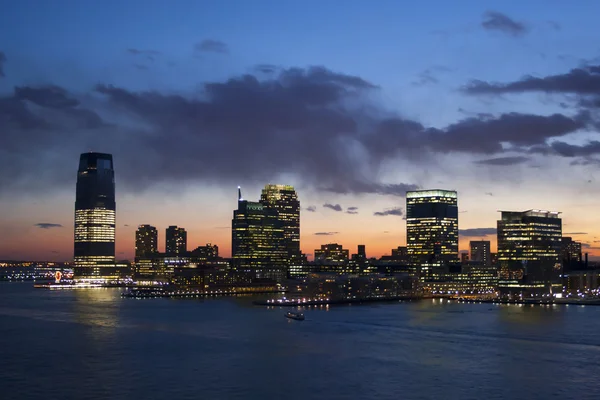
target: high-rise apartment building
<point>529,251</point>
<point>432,228</point>
<point>258,242</point>
<point>481,252</point>
<point>175,241</point>
<point>95,214</point>
<point>146,241</point>
<point>571,254</point>
<point>283,200</point>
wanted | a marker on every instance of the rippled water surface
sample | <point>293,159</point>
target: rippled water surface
<point>93,344</point>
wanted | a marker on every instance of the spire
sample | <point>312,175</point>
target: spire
<point>239,193</point>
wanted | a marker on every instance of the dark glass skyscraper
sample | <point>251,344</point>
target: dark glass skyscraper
<point>146,241</point>
<point>480,252</point>
<point>95,211</point>
<point>432,228</point>
<point>283,200</point>
<point>258,240</point>
<point>529,249</point>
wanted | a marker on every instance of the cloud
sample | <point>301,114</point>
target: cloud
<point>326,233</point>
<point>2,62</point>
<point>351,212</point>
<point>266,68</point>
<point>477,232</point>
<point>212,46</point>
<point>341,141</point>
<point>585,80</point>
<point>352,208</point>
<point>489,193</point>
<point>496,21</point>
<point>137,52</point>
<point>47,225</point>
<point>390,211</point>
<point>334,207</point>
<point>359,187</point>
<point>575,233</point>
<point>311,208</point>
<point>503,161</point>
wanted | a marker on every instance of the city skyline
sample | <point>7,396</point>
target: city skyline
<point>192,110</point>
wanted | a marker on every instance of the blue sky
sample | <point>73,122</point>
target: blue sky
<point>418,54</point>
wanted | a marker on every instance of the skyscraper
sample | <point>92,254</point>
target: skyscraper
<point>175,241</point>
<point>146,241</point>
<point>432,228</point>
<point>480,252</point>
<point>529,249</point>
<point>258,240</point>
<point>95,214</point>
<point>571,254</point>
<point>283,200</point>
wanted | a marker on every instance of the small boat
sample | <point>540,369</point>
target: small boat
<point>293,315</point>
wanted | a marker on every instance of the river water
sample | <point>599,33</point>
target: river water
<point>93,344</point>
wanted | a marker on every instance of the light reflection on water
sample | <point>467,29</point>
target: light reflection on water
<point>109,347</point>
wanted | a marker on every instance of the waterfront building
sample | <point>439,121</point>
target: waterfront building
<point>175,241</point>
<point>146,241</point>
<point>529,251</point>
<point>400,253</point>
<point>571,255</point>
<point>95,218</point>
<point>208,252</point>
<point>283,201</point>
<point>432,229</point>
<point>480,251</point>
<point>258,241</point>
<point>331,254</point>
<point>464,257</point>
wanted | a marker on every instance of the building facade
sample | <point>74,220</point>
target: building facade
<point>480,252</point>
<point>175,241</point>
<point>283,200</point>
<point>146,241</point>
<point>571,254</point>
<point>258,241</point>
<point>95,218</point>
<point>432,229</point>
<point>529,250</point>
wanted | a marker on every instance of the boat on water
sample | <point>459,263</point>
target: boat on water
<point>293,315</point>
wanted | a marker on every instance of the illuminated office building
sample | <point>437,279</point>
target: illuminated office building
<point>146,241</point>
<point>331,254</point>
<point>175,241</point>
<point>432,229</point>
<point>480,252</point>
<point>258,240</point>
<point>529,251</point>
<point>95,209</point>
<point>571,254</point>
<point>283,200</point>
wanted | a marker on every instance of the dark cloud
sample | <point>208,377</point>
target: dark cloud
<point>352,208</point>
<point>575,233</point>
<point>326,233</point>
<point>2,62</point>
<point>390,211</point>
<point>266,68</point>
<point>311,208</point>
<point>503,161</point>
<point>212,46</point>
<point>47,225</point>
<point>351,212</point>
<point>584,80</point>
<point>359,187</point>
<point>313,123</point>
<point>586,161</point>
<point>489,193</point>
<point>475,232</point>
<point>496,21</point>
<point>334,207</point>
<point>425,78</point>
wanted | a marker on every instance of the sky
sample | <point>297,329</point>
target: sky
<point>351,102</point>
